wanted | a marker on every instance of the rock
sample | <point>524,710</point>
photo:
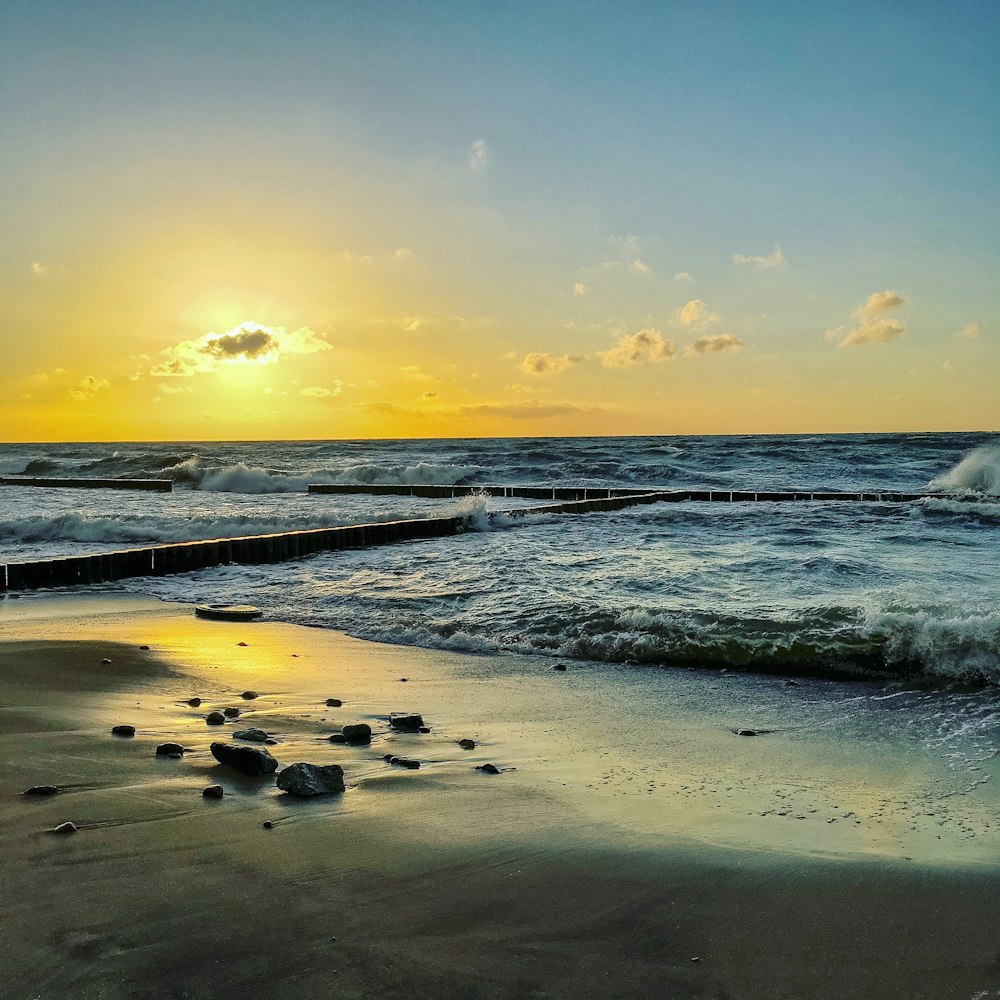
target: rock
<point>425,729</point>
<point>337,738</point>
<point>215,719</point>
<point>230,713</point>
<point>751,732</point>
<point>213,792</point>
<point>308,780</point>
<point>123,730</point>
<point>267,824</point>
<point>241,644</point>
<point>467,744</point>
<point>403,680</point>
<point>359,732</point>
<point>488,768</point>
<point>413,765</point>
<point>253,735</point>
<point>406,722</point>
<point>791,684</point>
<point>105,660</point>
<point>271,742</point>
<point>194,702</point>
<point>387,758</point>
<point>559,666</point>
<point>170,750</point>
<point>247,760</point>
<point>333,703</point>
<point>250,695</point>
<point>41,790</point>
<point>144,647</point>
<point>65,828</point>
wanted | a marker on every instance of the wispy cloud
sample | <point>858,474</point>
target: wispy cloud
<point>645,346</point>
<point>414,373</point>
<point>696,315</point>
<point>774,259</point>
<point>880,302</point>
<point>713,344</point>
<point>971,331</point>
<point>88,387</point>
<point>479,155</point>
<point>581,289</point>
<point>249,343</point>
<point>682,276</point>
<point>873,326</point>
<point>322,391</point>
<point>541,363</point>
<point>533,410</point>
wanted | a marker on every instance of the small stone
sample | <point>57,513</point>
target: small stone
<point>213,792</point>
<point>359,732</point>
<point>488,768</point>
<point>123,730</point>
<point>407,722</point>
<point>337,738</point>
<point>388,758</point>
<point>215,718</point>
<point>333,703</point>
<point>267,824</point>
<point>271,742</point>
<point>105,660</point>
<point>194,702</point>
<point>791,684</point>
<point>41,790</point>
<point>403,680</point>
<point>250,695</point>
<point>253,735</point>
<point>144,647</point>
<point>247,760</point>
<point>409,762</point>
<point>65,828</point>
<point>310,780</point>
<point>241,644</point>
<point>230,713</point>
<point>559,666</point>
<point>425,729</point>
<point>467,744</point>
<point>751,732</point>
<point>169,750</point>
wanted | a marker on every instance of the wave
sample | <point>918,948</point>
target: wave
<point>978,472</point>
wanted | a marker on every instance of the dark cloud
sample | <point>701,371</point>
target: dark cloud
<point>243,343</point>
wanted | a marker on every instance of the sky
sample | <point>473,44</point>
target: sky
<point>289,219</point>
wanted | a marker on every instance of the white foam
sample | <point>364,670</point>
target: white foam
<point>978,472</point>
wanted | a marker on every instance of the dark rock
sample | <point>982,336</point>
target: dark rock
<point>268,825</point>
<point>791,684</point>
<point>247,760</point>
<point>337,738</point>
<point>123,730</point>
<point>308,780</point>
<point>488,768</point>
<point>215,719</point>
<point>230,713</point>
<point>751,732</point>
<point>169,750</point>
<point>241,644</point>
<point>467,744</point>
<point>194,702</point>
<point>271,742</point>
<point>105,660</point>
<point>359,732</point>
<point>413,765</point>
<point>406,722</point>
<point>403,680</point>
<point>333,703</point>
<point>250,695</point>
<point>144,647</point>
<point>388,758</point>
<point>41,790</point>
<point>213,792</point>
<point>559,666</point>
<point>425,729</point>
<point>65,828</point>
<point>253,735</point>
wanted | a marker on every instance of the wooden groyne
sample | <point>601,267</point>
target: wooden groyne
<point>158,485</point>
<point>578,493</point>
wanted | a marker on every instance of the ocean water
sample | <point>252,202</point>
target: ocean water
<point>810,588</point>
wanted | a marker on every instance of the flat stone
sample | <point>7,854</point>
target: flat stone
<point>250,695</point>
<point>488,768</point>
<point>41,790</point>
<point>247,760</point>
<point>467,744</point>
<point>65,828</point>
<point>144,647</point>
<point>123,730</point>
<point>231,713</point>
<point>333,703</point>
<point>213,792</point>
<point>252,735</point>
<point>309,780</point>
<point>169,750</point>
<point>337,738</point>
<point>359,732</point>
<point>408,722</point>
<point>215,719</point>
<point>409,762</point>
<point>751,732</point>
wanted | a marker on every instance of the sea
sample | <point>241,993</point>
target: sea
<point>905,590</point>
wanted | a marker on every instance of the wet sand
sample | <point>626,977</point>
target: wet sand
<point>631,846</point>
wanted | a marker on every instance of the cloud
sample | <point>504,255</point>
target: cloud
<point>775,259</point>
<point>414,373</point>
<point>323,392</point>
<point>40,269</point>
<point>249,343</point>
<point>430,394</point>
<point>545,364</point>
<point>696,314</point>
<point>713,344</point>
<point>533,410</point>
<point>581,289</point>
<point>646,345</point>
<point>682,276</point>
<point>402,253</point>
<point>970,331</point>
<point>479,156</point>
<point>88,387</point>
<point>640,266</point>
<point>873,326</point>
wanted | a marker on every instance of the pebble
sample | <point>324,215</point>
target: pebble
<point>413,765</point>
<point>144,647</point>
<point>247,760</point>
<point>215,718</point>
<point>425,729</point>
<point>403,679</point>
<point>488,768</point>
<point>230,713</point>
<point>105,660</point>
<point>250,695</point>
<point>194,702</point>
<point>241,644</point>
<point>333,703</point>
<point>41,790</point>
<point>467,744</point>
<point>559,666</point>
<point>213,792</point>
<point>337,738</point>
<point>253,735</point>
<point>268,825</point>
<point>170,750</point>
<point>65,828</point>
<point>123,730</point>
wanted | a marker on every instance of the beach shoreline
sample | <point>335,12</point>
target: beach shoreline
<point>632,844</point>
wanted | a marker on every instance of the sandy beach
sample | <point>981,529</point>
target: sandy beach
<point>631,845</point>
